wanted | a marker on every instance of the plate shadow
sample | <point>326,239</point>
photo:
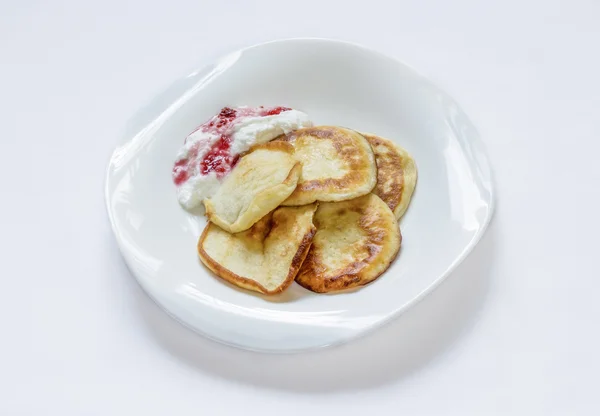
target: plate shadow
<point>391,353</point>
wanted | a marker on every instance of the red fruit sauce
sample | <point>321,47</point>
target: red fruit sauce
<point>218,159</point>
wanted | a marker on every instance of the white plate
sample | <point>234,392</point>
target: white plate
<point>335,83</point>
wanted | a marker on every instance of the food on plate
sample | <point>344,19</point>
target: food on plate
<point>264,258</point>
<point>337,164</point>
<point>286,200</point>
<point>396,174</point>
<point>261,180</point>
<point>212,150</point>
<point>355,242</point>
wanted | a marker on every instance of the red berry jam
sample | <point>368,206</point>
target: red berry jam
<point>218,158</point>
<point>181,170</point>
<point>274,111</point>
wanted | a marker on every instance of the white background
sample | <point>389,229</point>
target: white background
<point>515,330</point>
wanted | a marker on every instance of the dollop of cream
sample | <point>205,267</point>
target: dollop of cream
<point>245,132</point>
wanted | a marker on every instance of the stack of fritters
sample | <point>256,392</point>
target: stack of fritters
<point>319,205</point>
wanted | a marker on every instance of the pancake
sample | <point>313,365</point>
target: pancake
<point>396,174</point>
<point>264,258</point>
<point>337,164</point>
<point>355,243</point>
<point>262,179</point>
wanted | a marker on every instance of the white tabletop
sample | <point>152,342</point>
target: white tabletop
<point>515,330</point>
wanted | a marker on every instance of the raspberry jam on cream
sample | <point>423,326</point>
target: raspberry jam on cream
<point>212,150</point>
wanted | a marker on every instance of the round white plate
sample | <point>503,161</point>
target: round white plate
<point>335,83</point>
